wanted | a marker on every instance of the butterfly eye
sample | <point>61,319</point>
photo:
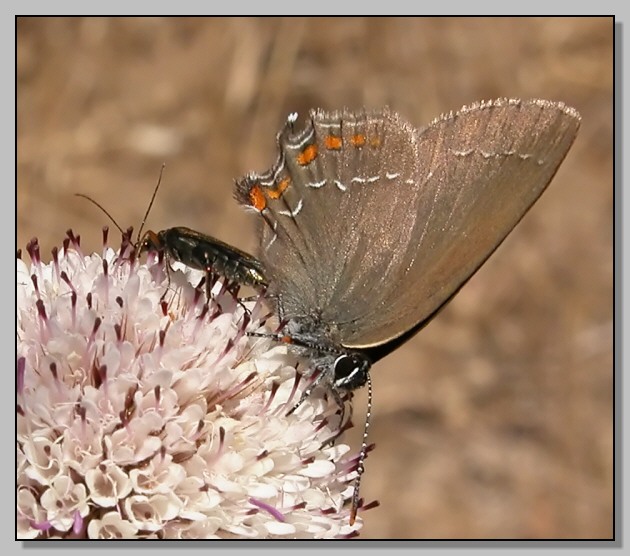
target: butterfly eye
<point>351,371</point>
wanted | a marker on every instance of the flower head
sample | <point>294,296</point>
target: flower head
<point>146,411</point>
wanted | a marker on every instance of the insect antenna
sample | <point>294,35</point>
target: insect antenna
<point>146,214</point>
<point>102,208</point>
<point>362,455</point>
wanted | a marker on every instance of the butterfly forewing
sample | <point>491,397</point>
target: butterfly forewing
<point>481,170</point>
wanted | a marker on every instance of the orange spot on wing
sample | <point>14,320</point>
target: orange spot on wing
<point>277,191</point>
<point>307,155</point>
<point>375,142</point>
<point>333,143</point>
<point>257,198</point>
<point>358,140</point>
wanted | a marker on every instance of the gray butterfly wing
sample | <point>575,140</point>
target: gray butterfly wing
<point>373,226</point>
<point>480,170</point>
<point>315,205</point>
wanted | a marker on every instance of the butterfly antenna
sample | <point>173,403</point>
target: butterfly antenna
<point>102,208</point>
<point>362,455</point>
<point>146,214</point>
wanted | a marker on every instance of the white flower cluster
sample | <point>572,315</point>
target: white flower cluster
<point>149,416</point>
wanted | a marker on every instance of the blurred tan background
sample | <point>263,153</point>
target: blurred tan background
<point>496,420</point>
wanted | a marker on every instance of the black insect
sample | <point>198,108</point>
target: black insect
<point>198,251</point>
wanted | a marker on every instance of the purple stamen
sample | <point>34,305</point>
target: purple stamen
<point>77,525</point>
<point>21,368</point>
<point>55,256</point>
<point>269,509</point>
<point>105,236</point>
